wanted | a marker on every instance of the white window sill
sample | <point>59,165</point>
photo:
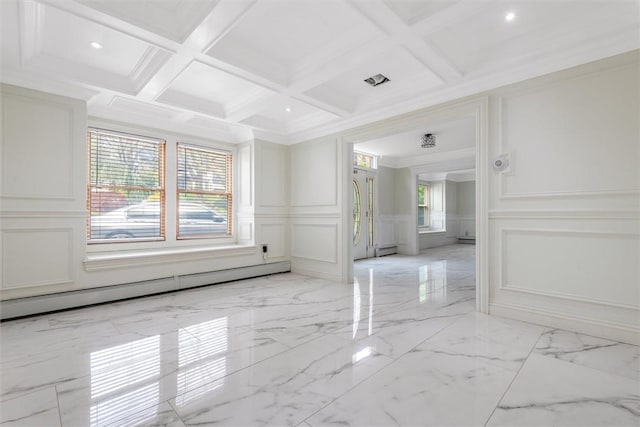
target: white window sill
<point>429,231</point>
<point>123,259</point>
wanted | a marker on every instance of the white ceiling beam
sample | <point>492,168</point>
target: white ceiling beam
<point>454,14</point>
<point>336,66</point>
<point>224,16</point>
<point>377,12</point>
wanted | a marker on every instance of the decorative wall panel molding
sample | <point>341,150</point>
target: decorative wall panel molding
<point>273,162</point>
<point>581,165</point>
<point>245,164</point>
<point>273,235</point>
<point>318,242</point>
<point>49,249</point>
<point>569,214</point>
<point>313,163</point>
<point>42,214</point>
<point>589,266</point>
<point>37,161</point>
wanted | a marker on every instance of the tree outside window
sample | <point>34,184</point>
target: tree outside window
<point>423,205</point>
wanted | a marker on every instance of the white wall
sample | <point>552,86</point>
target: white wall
<point>405,213</point>
<point>318,175</point>
<point>272,199</point>
<point>385,234</point>
<point>43,211</point>
<point>564,219</point>
<point>42,180</point>
<point>466,209</point>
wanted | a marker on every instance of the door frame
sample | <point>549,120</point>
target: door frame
<point>478,108</point>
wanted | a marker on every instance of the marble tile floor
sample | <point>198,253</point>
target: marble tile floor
<point>403,346</point>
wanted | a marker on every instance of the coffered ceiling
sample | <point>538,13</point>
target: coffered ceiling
<point>290,70</point>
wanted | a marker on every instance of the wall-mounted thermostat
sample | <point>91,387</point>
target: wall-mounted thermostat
<point>501,163</point>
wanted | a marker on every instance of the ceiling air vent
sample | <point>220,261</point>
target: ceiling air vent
<point>376,80</point>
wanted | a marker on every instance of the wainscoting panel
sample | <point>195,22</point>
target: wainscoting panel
<point>564,218</point>
<point>386,233</point>
<point>466,227</point>
<point>274,235</point>
<point>317,242</point>
<point>580,265</point>
<point>37,257</point>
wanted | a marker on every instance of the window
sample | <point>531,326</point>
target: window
<point>357,209</point>
<point>423,205</point>
<point>364,160</point>
<point>204,192</point>
<point>125,195</point>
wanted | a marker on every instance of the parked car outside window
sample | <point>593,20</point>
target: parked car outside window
<point>143,221</point>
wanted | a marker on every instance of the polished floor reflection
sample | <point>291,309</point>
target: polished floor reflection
<point>401,346</point>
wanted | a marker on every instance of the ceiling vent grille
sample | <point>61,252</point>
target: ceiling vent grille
<point>376,80</point>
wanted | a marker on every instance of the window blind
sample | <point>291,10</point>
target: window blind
<point>125,195</point>
<point>205,182</point>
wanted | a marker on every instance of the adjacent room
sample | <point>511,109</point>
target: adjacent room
<point>319,212</point>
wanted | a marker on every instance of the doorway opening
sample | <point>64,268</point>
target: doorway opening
<point>398,214</point>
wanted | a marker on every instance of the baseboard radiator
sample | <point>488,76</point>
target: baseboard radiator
<point>386,250</point>
<point>21,307</point>
<point>467,240</point>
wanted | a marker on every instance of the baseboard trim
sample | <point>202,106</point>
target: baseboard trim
<point>21,307</point>
<point>608,330</point>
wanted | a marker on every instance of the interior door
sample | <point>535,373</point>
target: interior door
<point>363,214</point>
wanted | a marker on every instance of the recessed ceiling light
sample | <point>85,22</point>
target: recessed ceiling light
<point>95,45</point>
<point>510,16</point>
<point>288,109</point>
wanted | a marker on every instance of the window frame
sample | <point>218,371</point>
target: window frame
<point>426,206</point>
<point>228,193</point>
<point>373,162</point>
<point>161,189</point>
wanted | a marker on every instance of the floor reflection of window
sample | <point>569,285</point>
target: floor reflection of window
<point>202,362</point>
<point>120,385</point>
<point>433,282</point>
<point>128,409</point>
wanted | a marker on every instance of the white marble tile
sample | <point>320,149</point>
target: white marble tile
<point>504,341</point>
<point>134,377</point>
<point>36,409</point>
<point>394,334</point>
<point>597,353</point>
<point>549,391</point>
<point>304,326</point>
<point>14,330</point>
<point>161,415</point>
<point>44,358</point>
<point>428,386</point>
<point>283,390</point>
<point>402,345</point>
<point>123,380</point>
